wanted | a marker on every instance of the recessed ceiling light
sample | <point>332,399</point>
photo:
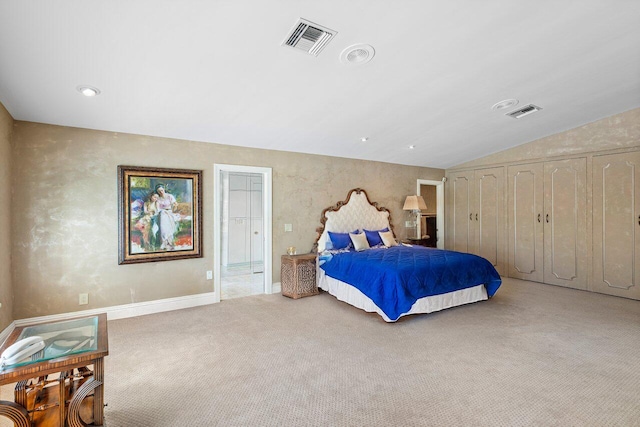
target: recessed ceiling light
<point>411,147</point>
<point>88,90</point>
<point>364,139</point>
<point>507,103</point>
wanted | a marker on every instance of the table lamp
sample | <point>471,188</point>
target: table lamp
<point>415,204</point>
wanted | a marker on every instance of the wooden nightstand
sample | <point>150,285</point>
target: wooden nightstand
<point>298,275</point>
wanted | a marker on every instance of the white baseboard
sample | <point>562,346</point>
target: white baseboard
<point>276,288</point>
<point>126,310</point>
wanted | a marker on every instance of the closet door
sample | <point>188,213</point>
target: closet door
<point>459,227</point>
<point>616,224</point>
<point>526,189</point>
<point>488,216</point>
<point>565,225</point>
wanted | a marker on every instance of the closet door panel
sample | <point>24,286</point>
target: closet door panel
<point>616,224</point>
<point>460,196</point>
<point>489,221</point>
<point>565,223</point>
<point>525,221</point>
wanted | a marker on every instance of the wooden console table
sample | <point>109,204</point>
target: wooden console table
<point>71,347</point>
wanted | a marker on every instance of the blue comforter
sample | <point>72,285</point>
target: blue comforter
<point>395,278</point>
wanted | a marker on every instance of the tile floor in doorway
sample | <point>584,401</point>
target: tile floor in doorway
<point>238,281</point>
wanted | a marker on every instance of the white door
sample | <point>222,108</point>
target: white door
<point>242,224</point>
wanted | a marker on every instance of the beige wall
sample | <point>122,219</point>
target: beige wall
<point>429,194</point>
<point>65,221</point>
<point>6,290</point>
<point>621,131</point>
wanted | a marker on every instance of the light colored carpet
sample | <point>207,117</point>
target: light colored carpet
<point>534,355</point>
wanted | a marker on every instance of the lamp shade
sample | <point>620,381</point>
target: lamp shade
<point>414,203</point>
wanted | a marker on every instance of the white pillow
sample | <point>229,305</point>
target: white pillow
<point>387,238</point>
<point>359,241</point>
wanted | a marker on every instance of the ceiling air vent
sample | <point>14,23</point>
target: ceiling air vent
<point>524,111</point>
<point>308,37</point>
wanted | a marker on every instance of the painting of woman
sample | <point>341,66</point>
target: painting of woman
<point>166,217</point>
<point>147,224</point>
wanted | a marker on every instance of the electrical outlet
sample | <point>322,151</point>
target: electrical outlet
<point>209,275</point>
<point>83,299</point>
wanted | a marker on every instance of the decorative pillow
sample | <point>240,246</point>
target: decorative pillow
<point>388,239</point>
<point>328,245</point>
<point>341,240</point>
<point>373,237</point>
<point>359,241</point>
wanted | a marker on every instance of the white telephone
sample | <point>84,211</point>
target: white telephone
<point>21,350</point>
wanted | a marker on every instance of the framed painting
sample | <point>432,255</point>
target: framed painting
<point>159,214</point>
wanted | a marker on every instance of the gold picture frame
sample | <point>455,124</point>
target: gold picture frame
<point>159,214</point>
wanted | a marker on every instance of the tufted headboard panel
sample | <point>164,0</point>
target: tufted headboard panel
<point>355,213</point>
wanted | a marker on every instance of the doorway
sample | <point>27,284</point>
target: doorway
<point>242,231</point>
<point>432,220</point>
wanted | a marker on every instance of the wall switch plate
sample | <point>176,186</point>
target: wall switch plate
<point>209,275</point>
<point>288,227</point>
<point>83,299</point>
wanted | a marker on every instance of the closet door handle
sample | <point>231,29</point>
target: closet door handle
<point>470,217</point>
<point>638,219</point>
<point>539,217</point>
<point>547,218</point>
<point>476,217</point>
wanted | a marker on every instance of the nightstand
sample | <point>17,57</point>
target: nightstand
<point>298,275</point>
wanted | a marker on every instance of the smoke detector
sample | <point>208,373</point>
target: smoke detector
<point>357,54</point>
<point>524,111</point>
<point>308,37</point>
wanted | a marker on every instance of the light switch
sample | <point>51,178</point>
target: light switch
<point>288,227</point>
<point>83,299</point>
<point>209,275</point>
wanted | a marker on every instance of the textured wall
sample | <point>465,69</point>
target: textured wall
<point>429,194</point>
<point>65,222</point>
<point>6,290</point>
<point>618,131</point>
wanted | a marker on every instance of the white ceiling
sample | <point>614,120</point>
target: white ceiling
<point>215,71</point>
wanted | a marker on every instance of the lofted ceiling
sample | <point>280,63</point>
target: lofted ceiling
<point>215,71</point>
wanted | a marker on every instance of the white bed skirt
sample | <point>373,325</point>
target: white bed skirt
<point>351,295</point>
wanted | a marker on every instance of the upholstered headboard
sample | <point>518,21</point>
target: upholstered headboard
<point>355,213</point>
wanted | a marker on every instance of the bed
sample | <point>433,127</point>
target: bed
<point>361,263</point>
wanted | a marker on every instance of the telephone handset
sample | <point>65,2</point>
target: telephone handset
<point>21,350</point>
